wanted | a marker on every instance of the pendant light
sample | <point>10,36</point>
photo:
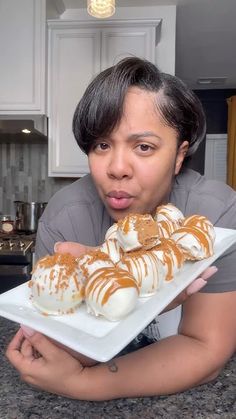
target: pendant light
<point>101,8</point>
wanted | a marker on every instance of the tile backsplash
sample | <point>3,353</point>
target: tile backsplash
<point>23,175</point>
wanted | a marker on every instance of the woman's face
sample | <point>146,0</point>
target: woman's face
<point>133,168</point>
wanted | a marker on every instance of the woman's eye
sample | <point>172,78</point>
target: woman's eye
<point>101,146</point>
<point>145,147</point>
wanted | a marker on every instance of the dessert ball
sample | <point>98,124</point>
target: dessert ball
<point>137,231</point>
<point>112,248</point>
<point>168,212</point>
<point>146,268</point>
<point>168,219</point>
<point>56,286</point>
<point>171,257</point>
<point>111,292</point>
<point>111,232</point>
<point>195,243</point>
<point>201,222</point>
<point>91,261</point>
<point>166,228</point>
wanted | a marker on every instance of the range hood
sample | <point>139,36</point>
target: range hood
<point>23,130</point>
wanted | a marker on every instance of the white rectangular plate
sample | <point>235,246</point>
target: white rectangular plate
<point>99,338</point>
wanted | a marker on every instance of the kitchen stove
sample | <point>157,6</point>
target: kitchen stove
<point>16,258</point>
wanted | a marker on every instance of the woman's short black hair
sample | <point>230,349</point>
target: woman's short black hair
<point>101,107</point>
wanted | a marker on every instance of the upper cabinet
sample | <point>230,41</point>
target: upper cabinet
<point>122,38</point>
<point>79,50</point>
<point>22,52</point>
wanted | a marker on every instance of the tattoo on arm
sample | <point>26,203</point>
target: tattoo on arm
<point>112,366</point>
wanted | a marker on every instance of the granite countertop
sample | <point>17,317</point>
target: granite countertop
<point>20,401</point>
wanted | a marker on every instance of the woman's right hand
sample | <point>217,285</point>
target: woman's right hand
<point>75,249</point>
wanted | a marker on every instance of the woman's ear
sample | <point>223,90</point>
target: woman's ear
<point>181,153</point>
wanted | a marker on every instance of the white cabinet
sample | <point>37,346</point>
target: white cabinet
<point>77,52</point>
<point>120,40</point>
<point>22,55</point>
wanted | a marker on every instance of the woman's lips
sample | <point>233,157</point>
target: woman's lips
<point>119,199</point>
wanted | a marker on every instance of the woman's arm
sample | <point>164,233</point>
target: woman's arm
<point>206,341</point>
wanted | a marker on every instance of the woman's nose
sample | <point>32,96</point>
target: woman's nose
<point>120,165</point>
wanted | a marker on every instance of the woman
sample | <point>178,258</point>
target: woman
<point>137,126</point>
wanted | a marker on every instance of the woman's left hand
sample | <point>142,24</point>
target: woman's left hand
<point>193,288</point>
<point>43,364</point>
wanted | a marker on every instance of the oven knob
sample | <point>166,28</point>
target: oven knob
<point>21,244</point>
<point>1,245</point>
<point>11,244</point>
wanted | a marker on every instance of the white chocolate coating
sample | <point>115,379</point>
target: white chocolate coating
<point>92,261</point>
<point>112,293</point>
<point>112,248</point>
<point>166,228</point>
<point>171,257</point>
<point>195,243</point>
<point>168,212</point>
<point>146,268</point>
<point>201,222</point>
<point>56,287</point>
<point>111,232</point>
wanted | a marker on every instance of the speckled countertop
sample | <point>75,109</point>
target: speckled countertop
<point>20,401</point>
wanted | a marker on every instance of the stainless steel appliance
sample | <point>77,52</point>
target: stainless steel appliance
<point>28,214</point>
<point>16,256</point>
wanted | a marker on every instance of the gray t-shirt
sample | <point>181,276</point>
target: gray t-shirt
<point>76,213</point>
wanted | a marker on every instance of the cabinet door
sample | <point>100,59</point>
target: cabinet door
<point>120,42</point>
<point>22,52</point>
<point>74,59</point>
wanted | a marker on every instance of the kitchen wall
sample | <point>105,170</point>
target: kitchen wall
<point>23,175</point>
<point>214,102</point>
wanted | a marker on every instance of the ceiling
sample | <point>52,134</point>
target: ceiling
<point>205,38</point>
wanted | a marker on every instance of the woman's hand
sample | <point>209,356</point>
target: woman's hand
<point>43,364</point>
<point>84,360</point>
<point>193,288</point>
<point>75,249</point>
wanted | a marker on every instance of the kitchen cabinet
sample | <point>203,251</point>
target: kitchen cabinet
<point>77,52</point>
<point>22,52</point>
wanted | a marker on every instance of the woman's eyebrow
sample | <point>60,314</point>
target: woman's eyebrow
<point>142,134</point>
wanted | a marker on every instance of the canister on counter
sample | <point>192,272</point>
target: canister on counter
<point>7,223</point>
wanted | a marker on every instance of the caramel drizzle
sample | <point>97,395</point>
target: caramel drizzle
<point>108,281</point>
<point>200,235</point>
<point>110,245</point>
<point>165,210</point>
<point>167,227</point>
<point>172,256</point>
<point>199,221</point>
<point>136,263</point>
